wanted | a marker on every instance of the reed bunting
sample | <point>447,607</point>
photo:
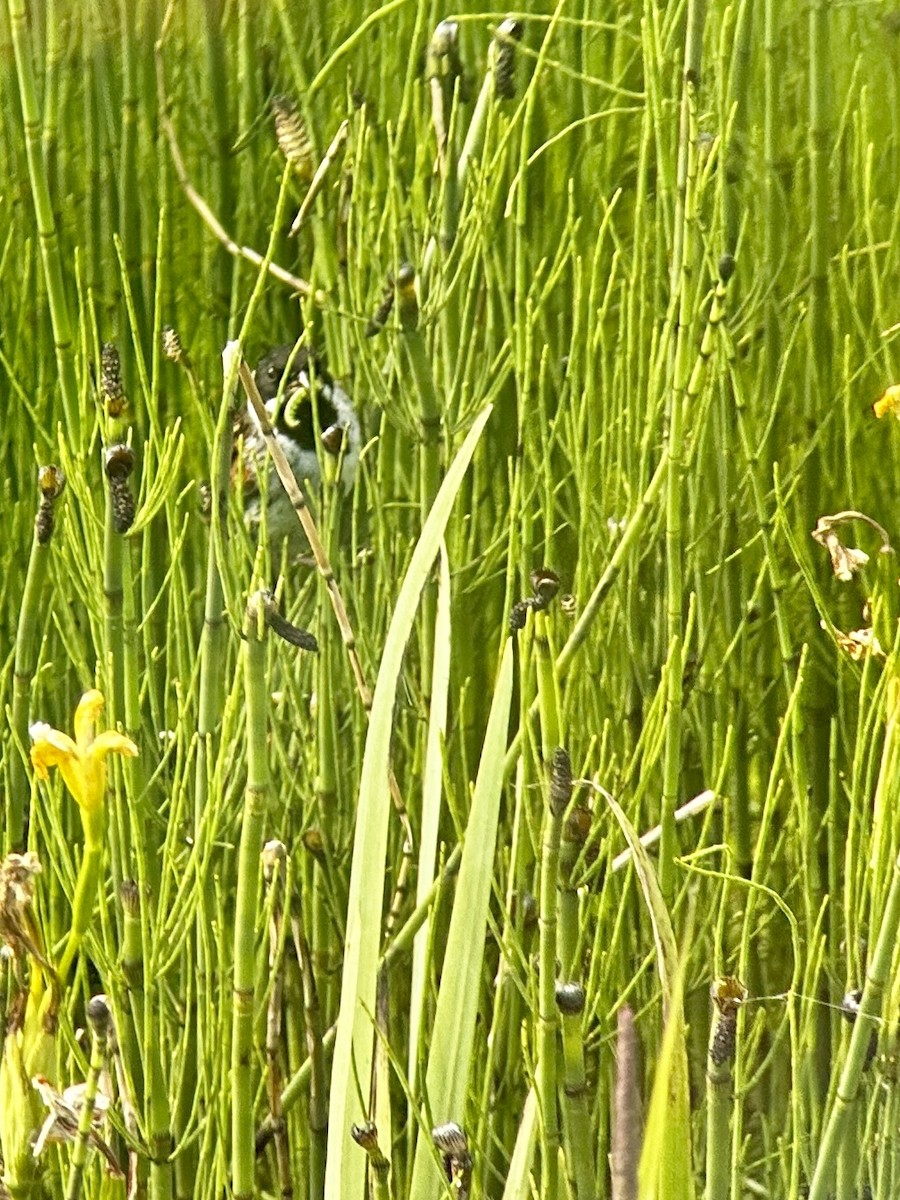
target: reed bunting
<point>299,394</point>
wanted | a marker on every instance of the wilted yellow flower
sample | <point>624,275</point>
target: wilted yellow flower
<point>82,761</point>
<point>858,643</point>
<point>889,402</point>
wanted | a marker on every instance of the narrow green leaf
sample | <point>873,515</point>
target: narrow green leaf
<point>665,1171</point>
<point>351,1071</point>
<point>518,1178</point>
<point>432,781</point>
<point>449,1061</point>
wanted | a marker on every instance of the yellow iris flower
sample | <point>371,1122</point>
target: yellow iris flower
<point>82,762</point>
<point>889,402</point>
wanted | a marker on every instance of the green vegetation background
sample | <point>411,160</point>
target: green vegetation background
<point>668,260</point>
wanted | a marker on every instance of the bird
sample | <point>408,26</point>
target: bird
<point>298,392</point>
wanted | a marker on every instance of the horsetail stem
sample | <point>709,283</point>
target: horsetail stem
<point>253,820</point>
<point>51,482</point>
<point>100,1021</point>
<point>559,792</point>
<point>683,288</point>
<point>576,1123</point>
<point>274,857</point>
<point>727,997</point>
<point>51,253</point>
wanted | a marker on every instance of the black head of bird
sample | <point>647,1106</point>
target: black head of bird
<point>311,416</point>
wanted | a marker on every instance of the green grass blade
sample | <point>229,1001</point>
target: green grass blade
<point>449,1061</point>
<point>665,1171</point>
<point>518,1179</point>
<point>432,786</point>
<point>345,1171</point>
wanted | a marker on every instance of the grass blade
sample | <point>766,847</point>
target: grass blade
<point>352,1067</point>
<point>449,1061</point>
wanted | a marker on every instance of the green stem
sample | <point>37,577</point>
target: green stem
<point>100,1018</point>
<point>86,889</point>
<point>430,423</point>
<point>559,793</point>
<point>28,641</point>
<point>727,996</point>
<point>683,265</point>
<point>296,1088</point>
<point>274,867</point>
<point>877,978</point>
<point>51,255</point>
<point>243,1154</point>
<point>577,1140</point>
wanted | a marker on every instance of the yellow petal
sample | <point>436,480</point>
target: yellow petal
<point>889,402</point>
<point>90,706</point>
<point>51,748</point>
<point>110,742</point>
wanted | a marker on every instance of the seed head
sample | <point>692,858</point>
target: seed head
<point>111,388</point>
<point>51,482</point>
<point>118,464</point>
<point>293,139</point>
<point>99,1015</point>
<point>570,999</point>
<point>171,342</point>
<point>503,57</point>
<point>560,781</point>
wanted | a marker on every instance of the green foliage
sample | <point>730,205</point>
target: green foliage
<point>656,244</point>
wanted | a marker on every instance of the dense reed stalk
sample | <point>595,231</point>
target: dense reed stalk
<point>45,221</point>
<point>727,997</point>
<point>633,364</point>
<point>253,821</point>
<point>50,484</point>
<point>100,1019</point>
<point>547,1067</point>
<point>684,264</point>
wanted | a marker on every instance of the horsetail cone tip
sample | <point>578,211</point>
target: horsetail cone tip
<point>443,42</point>
<point>450,1138</point>
<point>99,1015</point>
<point>293,140</point>
<point>728,994</point>
<point>365,1136</point>
<point>407,299</point>
<point>130,896</point>
<point>560,781</point>
<point>274,856</point>
<point>51,482</point>
<point>503,57</point>
<point>111,389</point>
<point>172,344</point>
<point>545,583</point>
<point>570,999</point>
<point>118,464</point>
<point>451,1141</point>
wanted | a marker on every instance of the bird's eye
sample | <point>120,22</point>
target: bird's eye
<point>272,372</point>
